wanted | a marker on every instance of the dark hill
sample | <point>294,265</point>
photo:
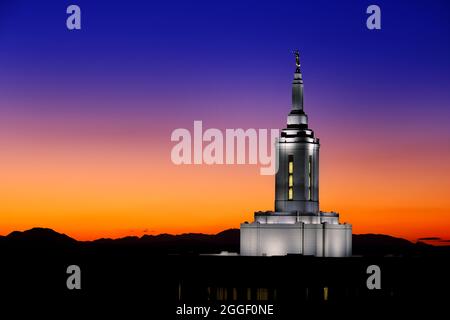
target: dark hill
<point>39,236</point>
<point>381,244</point>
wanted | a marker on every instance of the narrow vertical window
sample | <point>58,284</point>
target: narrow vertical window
<point>310,178</point>
<point>291,177</point>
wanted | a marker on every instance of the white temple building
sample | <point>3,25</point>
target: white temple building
<point>297,226</point>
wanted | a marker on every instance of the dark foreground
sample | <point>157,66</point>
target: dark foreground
<point>140,285</point>
<point>129,281</point>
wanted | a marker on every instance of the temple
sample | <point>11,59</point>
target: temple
<point>297,226</point>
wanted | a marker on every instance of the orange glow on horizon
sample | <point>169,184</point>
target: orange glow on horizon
<point>91,189</point>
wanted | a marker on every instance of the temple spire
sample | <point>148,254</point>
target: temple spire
<point>297,116</point>
<point>297,85</point>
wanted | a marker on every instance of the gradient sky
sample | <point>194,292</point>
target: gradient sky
<point>86,116</point>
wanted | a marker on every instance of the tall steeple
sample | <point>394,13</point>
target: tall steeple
<point>297,117</point>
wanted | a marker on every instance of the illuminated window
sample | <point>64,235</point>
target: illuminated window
<point>221,294</point>
<point>325,293</point>
<point>309,177</point>
<point>262,294</point>
<point>291,177</point>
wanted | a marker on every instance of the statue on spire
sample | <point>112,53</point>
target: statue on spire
<point>297,60</point>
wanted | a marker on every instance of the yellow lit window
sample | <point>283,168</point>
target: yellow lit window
<point>309,177</point>
<point>291,177</point>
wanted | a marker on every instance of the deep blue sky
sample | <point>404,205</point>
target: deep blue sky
<point>212,55</point>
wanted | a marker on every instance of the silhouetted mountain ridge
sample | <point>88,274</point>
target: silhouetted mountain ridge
<point>227,240</point>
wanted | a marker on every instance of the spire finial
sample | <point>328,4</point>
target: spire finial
<point>297,60</point>
<point>297,91</point>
